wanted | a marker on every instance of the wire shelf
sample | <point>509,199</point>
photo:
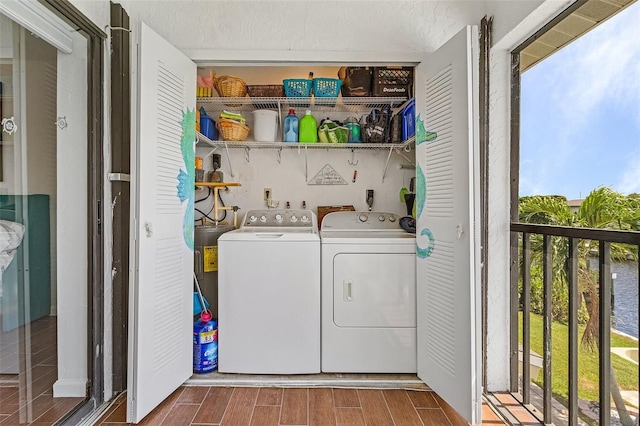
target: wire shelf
<point>203,141</point>
<point>339,104</point>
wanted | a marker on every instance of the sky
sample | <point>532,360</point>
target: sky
<point>580,114</point>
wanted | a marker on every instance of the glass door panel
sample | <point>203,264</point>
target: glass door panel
<point>43,226</point>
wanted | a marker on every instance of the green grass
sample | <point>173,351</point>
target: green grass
<point>626,372</point>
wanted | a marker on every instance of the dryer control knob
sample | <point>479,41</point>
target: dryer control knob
<point>392,218</point>
<point>363,217</point>
<point>253,218</point>
<point>381,218</point>
<point>294,218</point>
<point>263,218</point>
<point>304,218</point>
<point>279,218</point>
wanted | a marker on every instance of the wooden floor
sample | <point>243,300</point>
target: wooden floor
<point>239,406</point>
<point>27,397</point>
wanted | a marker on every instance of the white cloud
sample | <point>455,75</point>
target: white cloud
<point>601,66</point>
<point>630,177</point>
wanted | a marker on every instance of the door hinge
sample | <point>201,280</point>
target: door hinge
<point>99,216</point>
<point>119,177</point>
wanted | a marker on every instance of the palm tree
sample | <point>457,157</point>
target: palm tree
<point>605,209</point>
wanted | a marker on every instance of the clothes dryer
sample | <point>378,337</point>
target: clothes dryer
<point>368,294</point>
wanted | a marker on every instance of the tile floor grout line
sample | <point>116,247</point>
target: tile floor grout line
<point>253,409</point>
<point>335,409</point>
<point>415,409</point>
<point>224,413</point>
<point>386,404</point>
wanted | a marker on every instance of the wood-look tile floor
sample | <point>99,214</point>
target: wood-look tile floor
<point>252,406</point>
<point>27,397</point>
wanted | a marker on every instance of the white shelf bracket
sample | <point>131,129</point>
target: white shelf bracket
<point>279,155</point>
<point>246,154</point>
<point>226,147</point>
<point>386,165</point>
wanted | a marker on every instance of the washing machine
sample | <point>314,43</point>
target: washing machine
<point>269,294</point>
<point>368,294</point>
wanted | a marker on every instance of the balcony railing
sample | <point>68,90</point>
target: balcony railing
<point>521,256</point>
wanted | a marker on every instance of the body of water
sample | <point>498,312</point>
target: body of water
<point>625,290</point>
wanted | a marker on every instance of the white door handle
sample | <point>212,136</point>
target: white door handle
<point>347,291</point>
<point>459,230</point>
<point>148,229</point>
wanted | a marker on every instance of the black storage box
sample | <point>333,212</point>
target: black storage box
<point>393,81</point>
<point>357,82</point>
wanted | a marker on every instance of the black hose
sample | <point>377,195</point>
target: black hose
<point>224,212</point>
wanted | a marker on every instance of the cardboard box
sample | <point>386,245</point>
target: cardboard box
<point>324,210</point>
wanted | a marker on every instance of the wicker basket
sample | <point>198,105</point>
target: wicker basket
<point>266,90</point>
<point>229,86</point>
<point>231,130</point>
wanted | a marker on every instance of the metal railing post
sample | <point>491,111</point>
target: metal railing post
<point>572,274</point>
<point>526,319</point>
<point>546,335</point>
<point>604,340</point>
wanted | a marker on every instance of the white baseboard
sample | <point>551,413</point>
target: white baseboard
<point>70,388</point>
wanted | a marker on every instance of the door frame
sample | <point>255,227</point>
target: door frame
<point>95,176</point>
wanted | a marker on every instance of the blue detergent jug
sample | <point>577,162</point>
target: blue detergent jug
<point>290,130</point>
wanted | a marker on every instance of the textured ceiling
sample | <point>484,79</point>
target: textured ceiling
<point>583,19</point>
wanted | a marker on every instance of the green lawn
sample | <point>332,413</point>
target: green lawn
<point>626,372</point>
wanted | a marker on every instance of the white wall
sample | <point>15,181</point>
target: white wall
<point>41,93</point>
<point>6,78</point>
<point>377,26</point>
<point>506,38</point>
<point>73,219</point>
<point>287,179</point>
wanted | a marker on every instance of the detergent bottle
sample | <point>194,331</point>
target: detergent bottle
<point>290,130</point>
<point>308,128</point>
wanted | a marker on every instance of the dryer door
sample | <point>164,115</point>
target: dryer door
<point>374,290</point>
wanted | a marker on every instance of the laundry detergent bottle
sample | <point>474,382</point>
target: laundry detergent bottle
<point>308,128</point>
<point>290,130</point>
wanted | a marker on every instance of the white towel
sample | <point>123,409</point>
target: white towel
<point>11,234</point>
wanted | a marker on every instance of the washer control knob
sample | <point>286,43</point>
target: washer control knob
<point>279,218</point>
<point>381,218</point>
<point>253,218</point>
<point>392,218</point>
<point>363,217</point>
<point>294,218</point>
<point>263,218</point>
<point>304,218</point>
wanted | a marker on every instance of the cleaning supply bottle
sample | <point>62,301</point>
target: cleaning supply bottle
<point>290,130</point>
<point>308,128</point>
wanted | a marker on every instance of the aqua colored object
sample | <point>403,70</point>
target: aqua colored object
<point>308,128</point>
<point>290,130</point>
<point>187,176</point>
<point>424,252</point>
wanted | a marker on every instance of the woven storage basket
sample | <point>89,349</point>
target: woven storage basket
<point>266,90</point>
<point>231,130</point>
<point>229,86</point>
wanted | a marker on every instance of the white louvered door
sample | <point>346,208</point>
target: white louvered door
<point>160,312</point>
<point>449,350</point>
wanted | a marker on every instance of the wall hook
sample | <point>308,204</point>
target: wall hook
<point>246,154</point>
<point>61,122</point>
<point>352,162</point>
<point>9,125</point>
